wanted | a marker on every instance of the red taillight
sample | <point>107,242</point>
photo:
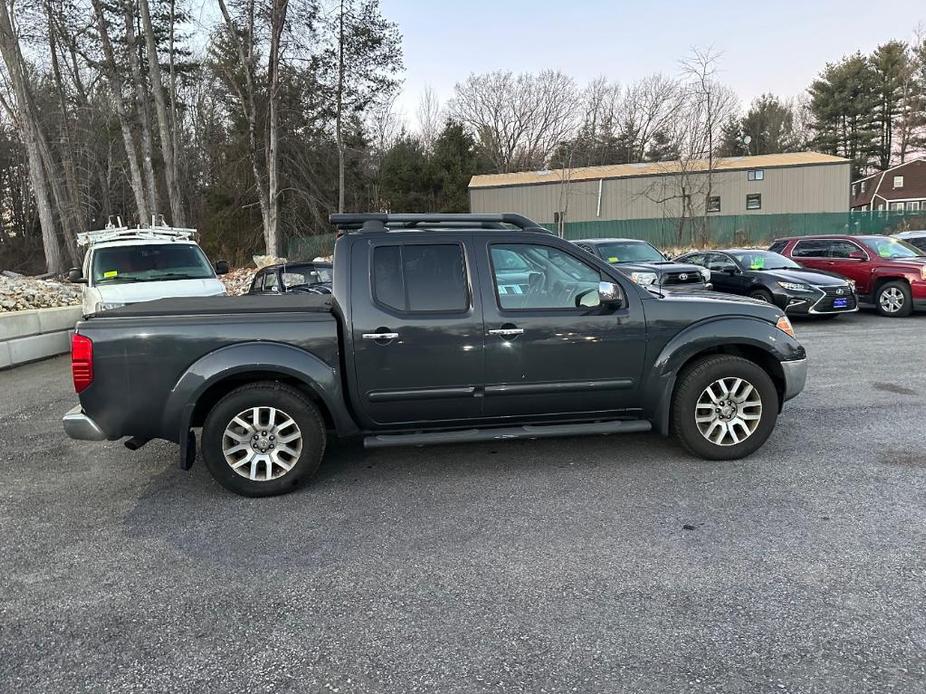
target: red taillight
<point>81,361</point>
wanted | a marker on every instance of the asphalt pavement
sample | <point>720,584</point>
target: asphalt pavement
<point>595,564</point>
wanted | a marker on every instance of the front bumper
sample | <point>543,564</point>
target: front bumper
<point>795,376</point>
<point>79,426</point>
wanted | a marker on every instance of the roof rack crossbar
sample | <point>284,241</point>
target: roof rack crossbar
<point>380,221</point>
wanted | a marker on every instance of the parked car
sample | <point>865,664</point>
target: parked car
<point>446,331</point>
<point>772,278</point>
<point>914,238</point>
<point>646,265</point>
<point>124,266</point>
<point>297,277</point>
<point>888,272</point>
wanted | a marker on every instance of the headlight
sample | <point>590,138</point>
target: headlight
<point>705,274</point>
<point>107,305</point>
<point>643,278</point>
<point>794,286</point>
<point>851,284</point>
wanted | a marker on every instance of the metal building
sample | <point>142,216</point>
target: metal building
<point>637,195</point>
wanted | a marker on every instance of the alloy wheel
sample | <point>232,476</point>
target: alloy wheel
<point>262,443</point>
<point>728,411</point>
<point>891,300</point>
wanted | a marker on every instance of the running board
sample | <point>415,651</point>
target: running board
<point>528,431</point>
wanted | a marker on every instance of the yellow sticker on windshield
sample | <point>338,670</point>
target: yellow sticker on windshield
<point>613,259</point>
<point>110,273</point>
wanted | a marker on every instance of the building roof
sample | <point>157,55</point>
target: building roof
<point>661,168</point>
<point>882,184</point>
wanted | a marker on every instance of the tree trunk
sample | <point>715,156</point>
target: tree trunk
<point>9,47</point>
<point>160,103</point>
<point>141,104</point>
<point>340,107</point>
<point>111,70</point>
<point>277,20</point>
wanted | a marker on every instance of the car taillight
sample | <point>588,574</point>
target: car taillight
<point>81,361</point>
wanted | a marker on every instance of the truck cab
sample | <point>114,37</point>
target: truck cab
<point>124,266</point>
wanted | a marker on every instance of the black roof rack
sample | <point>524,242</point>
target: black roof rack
<point>382,221</point>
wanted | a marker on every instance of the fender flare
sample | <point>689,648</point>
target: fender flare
<point>704,337</point>
<point>259,357</point>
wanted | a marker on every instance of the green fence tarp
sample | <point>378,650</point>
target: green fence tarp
<point>753,229</point>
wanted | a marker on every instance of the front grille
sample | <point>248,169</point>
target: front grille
<point>825,305</point>
<point>692,277</point>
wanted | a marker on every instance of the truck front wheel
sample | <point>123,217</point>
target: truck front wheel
<point>263,439</point>
<point>724,407</point>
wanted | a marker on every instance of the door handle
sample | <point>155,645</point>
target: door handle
<point>507,332</point>
<point>379,336</point>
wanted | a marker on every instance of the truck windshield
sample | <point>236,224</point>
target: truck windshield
<point>892,248</point>
<point>150,263</point>
<point>630,252</point>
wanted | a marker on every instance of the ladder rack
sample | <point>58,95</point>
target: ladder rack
<point>158,231</point>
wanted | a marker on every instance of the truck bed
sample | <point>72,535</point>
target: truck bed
<point>142,352</point>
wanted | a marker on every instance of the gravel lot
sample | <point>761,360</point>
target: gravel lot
<point>597,564</point>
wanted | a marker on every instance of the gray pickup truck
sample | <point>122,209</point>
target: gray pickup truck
<point>440,329</point>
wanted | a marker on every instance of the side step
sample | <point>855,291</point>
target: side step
<point>528,431</point>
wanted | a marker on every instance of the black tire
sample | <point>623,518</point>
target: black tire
<point>762,295</point>
<point>905,297</point>
<point>288,401</point>
<point>692,383</point>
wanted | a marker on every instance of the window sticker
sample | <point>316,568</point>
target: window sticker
<point>613,259</point>
<point>758,263</point>
<point>110,273</point>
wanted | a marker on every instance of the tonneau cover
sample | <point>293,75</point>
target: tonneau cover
<point>210,305</point>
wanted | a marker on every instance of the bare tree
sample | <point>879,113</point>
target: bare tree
<point>164,119</point>
<point>27,121</point>
<point>430,116</point>
<point>517,120</point>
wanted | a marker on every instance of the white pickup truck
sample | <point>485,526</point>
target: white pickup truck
<point>125,266</point>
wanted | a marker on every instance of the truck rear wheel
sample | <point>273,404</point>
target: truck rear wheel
<point>724,407</point>
<point>263,439</point>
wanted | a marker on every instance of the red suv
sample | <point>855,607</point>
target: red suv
<point>887,272</point>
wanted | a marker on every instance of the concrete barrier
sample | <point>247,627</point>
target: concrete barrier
<point>29,335</point>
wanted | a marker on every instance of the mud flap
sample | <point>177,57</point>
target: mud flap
<point>187,449</point>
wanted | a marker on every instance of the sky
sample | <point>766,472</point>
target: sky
<point>776,46</point>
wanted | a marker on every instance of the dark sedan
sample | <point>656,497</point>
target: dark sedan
<point>646,265</point>
<point>777,280</point>
<point>297,277</point>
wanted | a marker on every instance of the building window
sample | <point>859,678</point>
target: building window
<point>755,175</point>
<point>864,186</point>
<point>854,189</point>
<point>898,206</point>
<point>754,201</point>
<point>713,203</point>
<point>898,181</point>
<point>915,205</point>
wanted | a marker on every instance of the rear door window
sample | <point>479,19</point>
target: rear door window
<point>421,277</point>
<point>843,249</point>
<point>811,249</point>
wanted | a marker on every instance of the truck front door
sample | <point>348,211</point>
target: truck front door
<point>550,349</point>
<point>416,331</point>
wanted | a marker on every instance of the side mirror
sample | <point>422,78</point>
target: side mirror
<point>221,267</point>
<point>667,256</point>
<point>76,277</point>
<point>610,294</point>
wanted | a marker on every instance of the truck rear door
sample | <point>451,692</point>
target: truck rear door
<point>416,329</point>
<point>544,354</point>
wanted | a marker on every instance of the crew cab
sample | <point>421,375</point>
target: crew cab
<point>440,329</point>
<point>888,272</point>
<point>646,265</point>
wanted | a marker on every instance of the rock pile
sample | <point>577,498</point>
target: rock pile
<point>238,281</point>
<point>19,293</point>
